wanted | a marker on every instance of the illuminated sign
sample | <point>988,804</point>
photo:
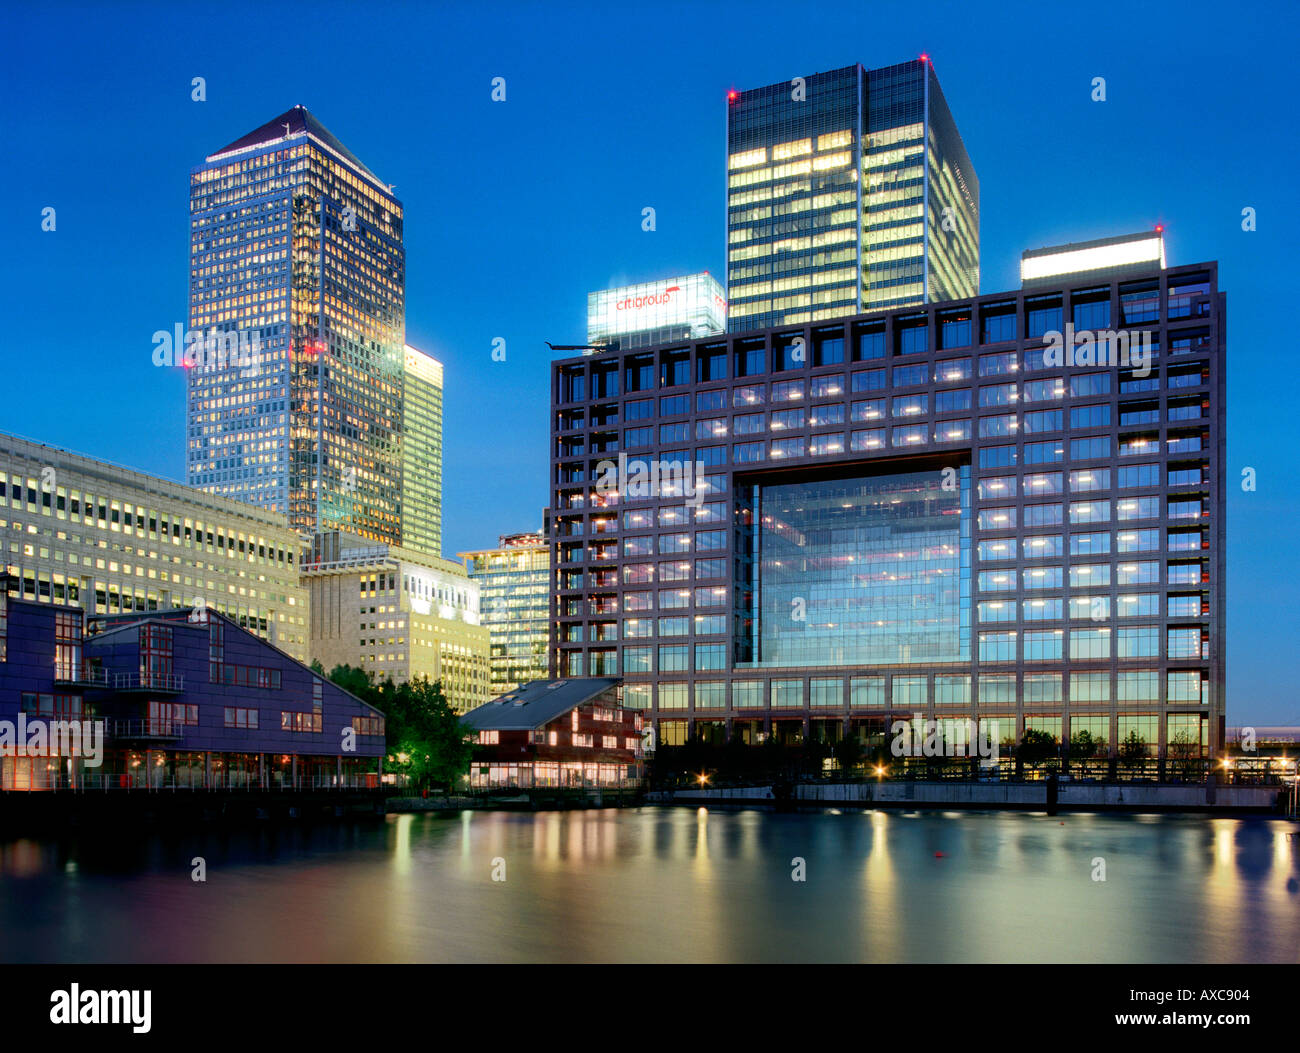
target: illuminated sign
<point>1145,248</point>
<point>694,302</point>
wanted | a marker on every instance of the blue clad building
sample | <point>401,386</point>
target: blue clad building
<point>178,698</point>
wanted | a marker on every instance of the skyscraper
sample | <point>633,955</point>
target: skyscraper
<point>847,191</point>
<point>297,264</point>
<point>422,453</point>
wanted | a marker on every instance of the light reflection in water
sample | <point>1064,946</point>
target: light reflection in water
<point>667,885</point>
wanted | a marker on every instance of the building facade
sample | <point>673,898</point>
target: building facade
<point>556,734</point>
<point>82,532</point>
<point>297,280</point>
<point>184,699</point>
<point>514,581</point>
<point>422,453</point>
<point>928,513</point>
<point>650,313</point>
<point>397,613</point>
<point>847,191</point>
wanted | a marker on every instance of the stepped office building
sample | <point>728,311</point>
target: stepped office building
<point>924,514</point>
<point>847,191</point>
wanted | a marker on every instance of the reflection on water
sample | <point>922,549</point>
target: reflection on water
<point>672,885</point>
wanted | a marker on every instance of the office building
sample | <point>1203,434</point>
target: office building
<point>514,581</point>
<point>938,509</point>
<point>77,531</point>
<point>847,191</point>
<point>422,453</point>
<point>186,699</point>
<point>632,316</point>
<point>297,277</point>
<point>397,613</point>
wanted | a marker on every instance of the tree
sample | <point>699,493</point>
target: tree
<point>1133,750</point>
<point>1083,745</point>
<point>848,753</point>
<point>1035,747</point>
<point>1184,755</point>
<point>356,681</point>
<point>423,735</point>
<point>317,668</point>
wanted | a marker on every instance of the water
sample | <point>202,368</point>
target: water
<point>668,885</point>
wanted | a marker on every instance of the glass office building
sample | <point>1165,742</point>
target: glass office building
<point>515,582</point>
<point>297,276</point>
<point>931,511</point>
<point>422,453</point>
<point>847,191</point>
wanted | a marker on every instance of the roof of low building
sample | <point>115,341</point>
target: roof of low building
<point>536,704</point>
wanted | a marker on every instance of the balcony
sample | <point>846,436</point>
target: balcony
<point>153,683</point>
<point>144,730</point>
<point>70,675</point>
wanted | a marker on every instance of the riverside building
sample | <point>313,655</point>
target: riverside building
<point>923,512</point>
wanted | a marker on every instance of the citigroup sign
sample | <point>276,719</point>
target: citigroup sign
<point>694,300</point>
<point>636,303</point>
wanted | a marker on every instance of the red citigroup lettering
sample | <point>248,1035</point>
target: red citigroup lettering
<point>635,303</point>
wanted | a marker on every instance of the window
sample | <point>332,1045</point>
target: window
<point>1089,643</point>
<point>910,691</point>
<point>826,693</point>
<point>1002,548</point>
<point>911,335</point>
<point>1050,452</point>
<point>867,692</point>
<point>909,376</point>
<point>1092,448</point>
<point>945,401</point>
<point>869,439</point>
<point>955,328</point>
<point>951,370</point>
<point>788,420</point>
<point>909,405</point>
<point>1044,645</point>
<point>1089,416</point>
<point>1042,315</point>
<point>1044,390</point>
<point>952,690</point>
<point>870,344</point>
<point>870,409</point>
<point>828,348</point>
<point>997,647</point>
<point>711,363</point>
<point>828,386</point>
<point>868,380</point>
<point>997,323</point>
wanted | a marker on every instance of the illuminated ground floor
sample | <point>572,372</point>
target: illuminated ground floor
<point>160,769</point>
<point>490,775</point>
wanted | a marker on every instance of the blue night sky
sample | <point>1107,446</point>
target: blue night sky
<point>515,210</point>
